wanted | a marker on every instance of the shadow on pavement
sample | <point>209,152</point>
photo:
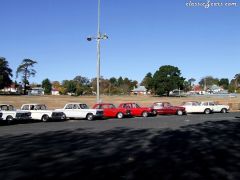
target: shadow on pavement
<point>205,151</point>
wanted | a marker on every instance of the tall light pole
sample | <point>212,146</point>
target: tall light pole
<point>99,37</point>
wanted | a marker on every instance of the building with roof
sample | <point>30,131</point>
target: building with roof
<point>139,90</point>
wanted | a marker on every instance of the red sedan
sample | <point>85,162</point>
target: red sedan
<point>137,110</point>
<point>109,110</point>
<point>167,108</point>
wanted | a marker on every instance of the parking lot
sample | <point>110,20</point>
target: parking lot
<point>166,147</point>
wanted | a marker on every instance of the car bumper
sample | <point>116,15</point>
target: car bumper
<point>23,118</point>
<point>58,116</point>
<point>98,116</point>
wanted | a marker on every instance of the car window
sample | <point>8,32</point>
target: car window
<point>69,106</point>
<point>40,107</point>
<point>205,104</point>
<point>111,106</point>
<point>136,105</point>
<point>98,106</point>
<point>186,104</point>
<point>25,107</point>
<point>195,103</point>
<point>166,104</point>
<point>127,106</point>
<point>211,103</point>
<point>158,104</point>
<point>4,108</point>
<point>10,108</point>
<point>105,106</point>
<point>75,106</point>
<point>83,106</point>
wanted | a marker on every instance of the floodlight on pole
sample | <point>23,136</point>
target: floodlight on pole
<point>98,38</point>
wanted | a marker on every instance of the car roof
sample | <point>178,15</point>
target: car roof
<point>76,103</point>
<point>129,103</point>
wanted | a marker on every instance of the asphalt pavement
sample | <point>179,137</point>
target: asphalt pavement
<point>155,123</point>
<point>195,146</point>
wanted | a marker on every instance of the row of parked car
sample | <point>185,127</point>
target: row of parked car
<point>105,110</point>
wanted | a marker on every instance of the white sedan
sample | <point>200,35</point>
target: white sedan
<point>216,106</point>
<point>196,107</point>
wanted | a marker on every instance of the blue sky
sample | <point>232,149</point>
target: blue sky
<point>143,35</point>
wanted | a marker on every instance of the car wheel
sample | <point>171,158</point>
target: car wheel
<point>179,112</point>
<point>9,119</point>
<point>154,112</point>
<point>90,117</point>
<point>120,115</point>
<point>207,111</point>
<point>64,117</point>
<point>224,110</point>
<point>45,118</point>
<point>145,114</point>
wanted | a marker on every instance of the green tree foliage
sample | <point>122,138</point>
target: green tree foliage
<point>26,70</point>
<point>82,85</point>
<point>114,86</point>
<point>5,73</point>
<point>82,80</point>
<point>70,86</point>
<point>237,80</point>
<point>46,84</point>
<point>78,86</point>
<point>187,86</point>
<point>191,81</point>
<point>234,85</point>
<point>224,82</point>
<point>208,81</point>
<point>148,81</point>
<point>166,79</point>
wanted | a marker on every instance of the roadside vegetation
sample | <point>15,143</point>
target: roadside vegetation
<point>161,83</point>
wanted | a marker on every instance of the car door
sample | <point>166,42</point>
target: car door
<point>167,108</point>
<point>106,110</point>
<point>159,108</point>
<point>69,111</point>
<point>216,107</point>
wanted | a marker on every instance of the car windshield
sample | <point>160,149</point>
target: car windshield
<point>136,105</point>
<point>111,106</point>
<point>83,106</point>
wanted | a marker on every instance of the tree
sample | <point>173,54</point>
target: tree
<point>46,84</point>
<point>191,81</point>
<point>82,80</point>
<point>26,69</point>
<point>5,73</point>
<point>208,81</point>
<point>148,81</point>
<point>113,81</point>
<point>120,81</point>
<point>224,82</point>
<point>237,80</point>
<point>71,86</point>
<point>166,79</point>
